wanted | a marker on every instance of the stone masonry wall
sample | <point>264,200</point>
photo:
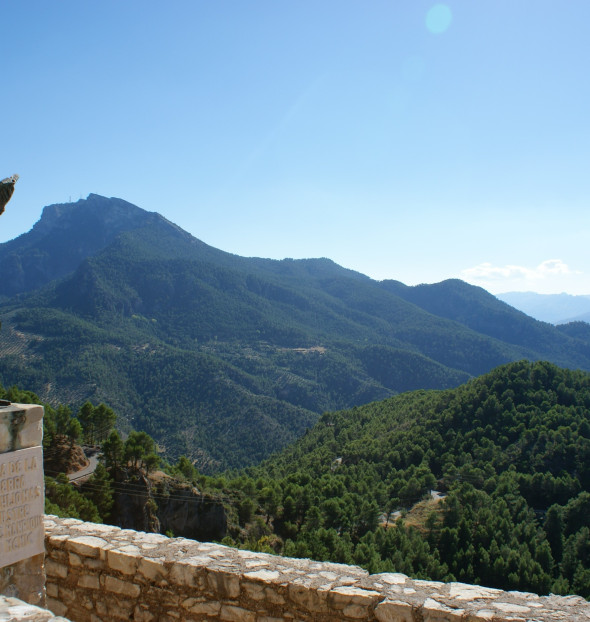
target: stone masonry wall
<point>100,573</point>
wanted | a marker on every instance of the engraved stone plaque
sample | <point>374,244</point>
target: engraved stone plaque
<point>21,505</point>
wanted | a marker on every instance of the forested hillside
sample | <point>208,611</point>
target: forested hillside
<point>227,359</point>
<point>511,451</point>
<point>488,483</point>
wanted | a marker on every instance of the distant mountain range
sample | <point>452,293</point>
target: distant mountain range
<point>225,358</point>
<point>553,308</point>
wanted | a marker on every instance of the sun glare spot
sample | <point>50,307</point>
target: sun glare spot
<point>439,18</point>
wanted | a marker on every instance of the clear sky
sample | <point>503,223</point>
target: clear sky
<point>409,140</point>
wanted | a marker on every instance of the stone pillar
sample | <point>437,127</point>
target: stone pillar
<point>22,549</point>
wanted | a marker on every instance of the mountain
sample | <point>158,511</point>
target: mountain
<point>225,358</point>
<point>554,308</point>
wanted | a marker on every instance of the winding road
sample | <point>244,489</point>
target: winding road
<point>86,471</point>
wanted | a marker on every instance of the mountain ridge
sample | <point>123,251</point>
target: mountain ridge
<point>228,358</point>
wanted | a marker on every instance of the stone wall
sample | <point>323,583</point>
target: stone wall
<point>21,502</point>
<point>100,573</point>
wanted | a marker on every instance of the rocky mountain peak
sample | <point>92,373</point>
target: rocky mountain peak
<point>65,235</point>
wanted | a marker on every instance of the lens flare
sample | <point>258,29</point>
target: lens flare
<point>439,18</point>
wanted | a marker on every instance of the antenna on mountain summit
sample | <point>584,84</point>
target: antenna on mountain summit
<point>6,190</point>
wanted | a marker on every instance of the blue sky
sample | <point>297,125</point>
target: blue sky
<point>412,140</point>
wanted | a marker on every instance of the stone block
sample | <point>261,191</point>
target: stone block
<point>462,591</point>
<point>55,569</point>
<point>31,434</point>
<point>122,562</point>
<point>21,426</point>
<point>512,608</point>
<point>99,529</point>
<point>154,538</point>
<point>94,564</point>
<point>255,591</point>
<point>343,596</point>
<point>57,607</point>
<point>51,590</point>
<point>74,560</point>
<point>224,583</point>
<point>73,522</point>
<point>203,607</point>
<point>394,611</point>
<point>433,611</point>
<point>125,588</point>
<point>304,596</point>
<point>183,574</point>
<point>263,575</point>
<point>5,438</point>
<point>356,612</point>
<point>87,546</point>
<point>88,581</point>
<point>229,613</point>
<point>152,569</point>
<point>262,592</point>
<point>431,586</point>
<point>273,597</point>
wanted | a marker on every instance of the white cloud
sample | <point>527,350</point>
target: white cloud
<point>554,266</point>
<point>487,271</point>
<point>550,276</point>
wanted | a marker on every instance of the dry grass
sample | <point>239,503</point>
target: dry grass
<point>417,516</point>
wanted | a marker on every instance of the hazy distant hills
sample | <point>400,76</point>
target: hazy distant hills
<point>228,358</point>
<point>554,308</point>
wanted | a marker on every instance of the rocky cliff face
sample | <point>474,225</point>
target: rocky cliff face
<point>64,457</point>
<point>167,507</point>
<point>193,515</point>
